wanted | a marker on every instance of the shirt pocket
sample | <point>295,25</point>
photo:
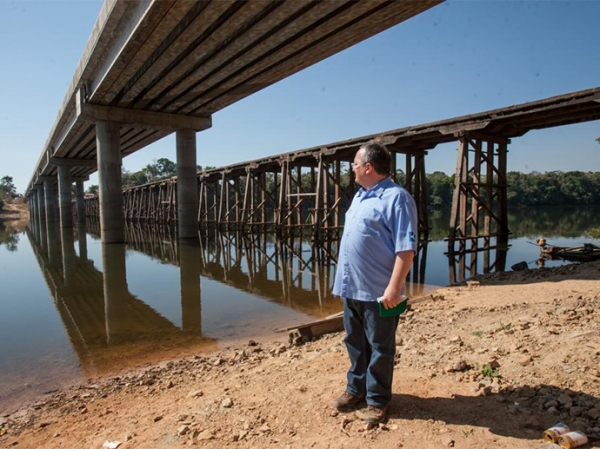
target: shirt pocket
<point>369,225</point>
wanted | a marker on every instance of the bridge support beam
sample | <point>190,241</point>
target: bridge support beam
<point>112,221</point>
<point>49,197</point>
<point>187,185</point>
<point>479,218</point>
<point>34,206</point>
<point>41,205</point>
<point>80,195</point>
<point>416,184</point>
<point>64,195</point>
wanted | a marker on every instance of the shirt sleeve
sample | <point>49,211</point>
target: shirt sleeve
<point>405,223</point>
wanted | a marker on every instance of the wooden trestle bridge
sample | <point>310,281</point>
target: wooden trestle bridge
<point>309,190</point>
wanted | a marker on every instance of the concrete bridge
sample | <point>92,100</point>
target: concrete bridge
<point>152,68</point>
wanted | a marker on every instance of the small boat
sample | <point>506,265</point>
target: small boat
<point>583,253</point>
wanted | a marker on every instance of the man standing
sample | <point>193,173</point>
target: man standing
<point>376,253</point>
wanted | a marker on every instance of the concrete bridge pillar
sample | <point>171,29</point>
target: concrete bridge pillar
<point>49,201</point>
<point>30,206</point>
<point>187,186</point>
<point>64,195</point>
<point>41,208</point>
<point>33,206</point>
<point>112,219</point>
<point>80,195</point>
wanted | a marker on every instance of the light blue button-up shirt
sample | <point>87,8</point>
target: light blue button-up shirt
<point>380,223</point>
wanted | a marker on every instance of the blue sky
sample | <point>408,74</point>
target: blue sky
<point>461,57</point>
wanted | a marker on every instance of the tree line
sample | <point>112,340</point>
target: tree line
<point>158,170</point>
<point>523,189</point>
<point>556,188</point>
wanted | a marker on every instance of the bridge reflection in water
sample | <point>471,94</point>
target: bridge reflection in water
<point>108,327</point>
<point>293,271</point>
<point>111,329</point>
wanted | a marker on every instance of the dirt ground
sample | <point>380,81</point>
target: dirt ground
<point>488,364</point>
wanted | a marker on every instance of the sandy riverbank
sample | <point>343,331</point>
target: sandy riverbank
<point>537,331</point>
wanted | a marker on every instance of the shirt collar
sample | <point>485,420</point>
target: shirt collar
<point>378,189</point>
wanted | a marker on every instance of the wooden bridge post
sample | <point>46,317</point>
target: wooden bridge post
<point>479,217</point>
<point>416,183</point>
<point>298,199</point>
<point>201,200</point>
<point>337,195</point>
<point>221,201</point>
<point>248,204</point>
<point>264,217</point>
<point>319,203</point>
<point>282,205</point>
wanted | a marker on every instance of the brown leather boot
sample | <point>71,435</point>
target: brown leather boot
<point>346,400</point>
<point>372,414</point>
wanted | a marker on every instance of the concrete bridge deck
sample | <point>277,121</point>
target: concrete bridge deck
<point>159,66</point>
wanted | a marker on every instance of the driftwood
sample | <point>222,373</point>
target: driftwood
<point>307,331</point>
<point>582,253</point>
<point>333,323</point>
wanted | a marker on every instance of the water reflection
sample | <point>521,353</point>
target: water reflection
<point>9,240</point>
<point>292,271</point>
<point>108,327</point>
<point>189,262</point>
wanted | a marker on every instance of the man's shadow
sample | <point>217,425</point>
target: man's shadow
<point>522,413</point>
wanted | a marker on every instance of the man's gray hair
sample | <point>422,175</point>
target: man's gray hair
<point>378,156</point>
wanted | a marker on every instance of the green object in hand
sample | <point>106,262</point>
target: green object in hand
<point>394,311</point>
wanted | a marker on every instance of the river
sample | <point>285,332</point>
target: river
<point>74,309</point>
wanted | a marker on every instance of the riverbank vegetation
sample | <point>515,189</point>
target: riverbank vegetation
<point>7,190</point>
<point>556,188</point>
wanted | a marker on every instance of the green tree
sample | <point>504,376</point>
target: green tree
<point>7,188</point>
<point>165,168</point>
<point>439,188</point>
<point>129,179</point>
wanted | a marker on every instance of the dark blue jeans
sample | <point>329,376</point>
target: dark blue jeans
<point>371,344</point>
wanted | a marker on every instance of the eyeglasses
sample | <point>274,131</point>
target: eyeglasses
<point>354,165</point>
